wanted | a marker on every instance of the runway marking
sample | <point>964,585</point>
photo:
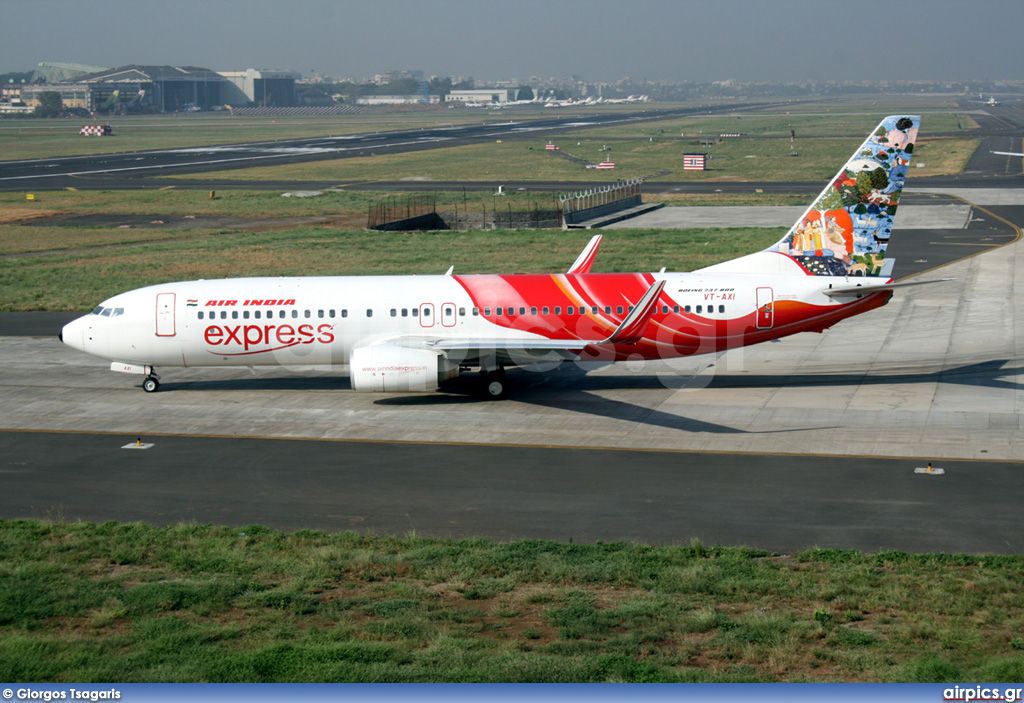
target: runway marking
<point>505,445</point>
<point>1016,229</point>
<point>966,244</point>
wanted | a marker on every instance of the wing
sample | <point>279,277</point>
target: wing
<point>629,331</point>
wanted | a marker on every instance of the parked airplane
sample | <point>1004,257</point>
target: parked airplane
<point>991,102</point>
<point>409,333</point>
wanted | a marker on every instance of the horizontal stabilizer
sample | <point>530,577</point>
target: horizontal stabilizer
<point>865,289</point>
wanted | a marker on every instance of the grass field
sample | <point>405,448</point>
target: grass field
<point>137,603</point>
<point>78,280</point>
<point>652,150</point>
<point>42,138</point>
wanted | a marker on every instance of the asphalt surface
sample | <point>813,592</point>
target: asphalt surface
<point>781,503</point>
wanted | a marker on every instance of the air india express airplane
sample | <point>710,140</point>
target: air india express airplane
<point>410,333</point>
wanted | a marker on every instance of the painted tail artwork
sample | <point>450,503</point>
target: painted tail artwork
<point>846,231</point>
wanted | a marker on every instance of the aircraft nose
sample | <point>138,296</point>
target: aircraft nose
<point>71,334</point>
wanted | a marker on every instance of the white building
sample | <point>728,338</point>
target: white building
<point>483,95</point>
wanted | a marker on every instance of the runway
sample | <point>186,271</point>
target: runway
<point>508,493</point>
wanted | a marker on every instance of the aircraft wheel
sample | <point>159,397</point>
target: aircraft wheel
<point>150,385</point>
<point>495,385</point>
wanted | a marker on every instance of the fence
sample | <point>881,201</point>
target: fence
<point>596,202</point>
<point>419,212</point>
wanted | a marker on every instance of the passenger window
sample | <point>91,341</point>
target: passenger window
<point>405,312</point>
<point>558,309</point>
<point>700,309</point>
<point>234,314</point>
<point>223,314</point>
<point>306,314</point>
<point>200,314</point>
<point>295,313</point>
<point>394,313</point>
<point>498,312</point>
<point>595,310</point>
<point>664,309</point>
<point>426,312</point>
<point>618,310</point>
<point>330,313</point>
<point>675,308</point>
<point>344,313</point>
<point>369,312</point>
<point>415,312</point>
<point>547,311</point>
<point>462,312</point>
<point>487,312</point>
<point>686,309</point>
<point>257,314</point>
<point>721,308</point>
<point>533,311</point>
<point>522,311</point>
<point>476,311</point>
<point>319,313</point>
<point>608,309</point>
<point>245,314</point>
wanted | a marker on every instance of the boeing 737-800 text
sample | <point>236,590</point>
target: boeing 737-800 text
<point>410,333</point>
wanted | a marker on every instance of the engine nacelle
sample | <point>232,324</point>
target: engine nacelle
<point>392,368</point>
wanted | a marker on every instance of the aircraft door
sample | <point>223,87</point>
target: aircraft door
<point>165,315</point>
<point>448,314</point>
<point>427,315</point>
<point>765,308</point>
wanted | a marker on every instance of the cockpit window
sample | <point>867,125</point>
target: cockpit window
<point>107,312</point>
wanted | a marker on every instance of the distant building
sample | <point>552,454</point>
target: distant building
<point>259,87</point>
<point>482,95</point>
<point>161,88</point>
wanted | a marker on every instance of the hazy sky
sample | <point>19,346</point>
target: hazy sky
<point>602,40</point>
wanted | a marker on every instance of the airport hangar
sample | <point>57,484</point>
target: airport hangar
<point>159,88</point>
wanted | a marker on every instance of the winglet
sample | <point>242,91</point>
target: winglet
<point>586,258</point>
<point>632,328</point>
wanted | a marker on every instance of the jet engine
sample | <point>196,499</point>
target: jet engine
<point>394,368</point>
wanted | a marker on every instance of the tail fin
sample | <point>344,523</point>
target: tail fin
<point>846,231</point>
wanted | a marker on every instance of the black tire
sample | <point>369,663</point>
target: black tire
<point>496,388</point>
<point>150,385</point>
<point>494,385</point>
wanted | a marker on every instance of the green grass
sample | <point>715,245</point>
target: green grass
<point>80,279</point>
<point>649,150</point>
<point>44,138</point>
<point>135,603</point>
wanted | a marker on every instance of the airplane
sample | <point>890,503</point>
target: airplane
<point>411,333</point>
<point>991,102</point>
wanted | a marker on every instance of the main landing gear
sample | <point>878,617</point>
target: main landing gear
<point>494,384</point>
<point>151,384</point>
